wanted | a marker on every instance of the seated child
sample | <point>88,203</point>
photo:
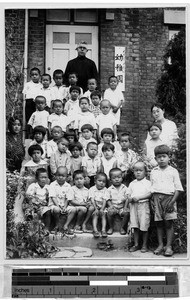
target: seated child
<point>165,187</point>
<point>95,103</point>
<point>39,133</point>
<point>40,116</point>
<point>118,201</point>
<point>139,195</point>
<point>115,96</point>
<point>56,134</point>
<point>126,158</point>
<point>60,195</point>
<point>47,91</point>
<point>106,119</point>
<point>76,159</point>
<point>91,164</point>
<point>59,88</point>
<point>31,91</point>
<point>28,170</point>
<point>92,86</point>
<point>72,79</point>
<point>108,159</point>
<point>86,136</point>
<point>84,117</point>
<point>98,196</point>
<point>60,157</point>
<point>35,203</point>
<point>107,136</point>
<point>80,198</point>
<point>57,118</point>
<point>154,130</point>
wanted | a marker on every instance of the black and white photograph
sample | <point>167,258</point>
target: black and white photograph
<point>95,108</point>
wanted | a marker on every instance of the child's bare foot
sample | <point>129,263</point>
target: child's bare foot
<point>84,229</point>
<point>159,250</point>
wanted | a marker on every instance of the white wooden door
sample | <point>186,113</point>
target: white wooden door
<point>61,42</point>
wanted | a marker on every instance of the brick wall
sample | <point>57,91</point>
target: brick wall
<point>144,36</point>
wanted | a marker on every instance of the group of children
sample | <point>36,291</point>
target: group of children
<point>80,168</point>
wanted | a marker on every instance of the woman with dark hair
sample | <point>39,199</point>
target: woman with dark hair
<point>14,146</point>
<point>169,134</point>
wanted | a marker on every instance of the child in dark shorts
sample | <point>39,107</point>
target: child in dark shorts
<point>165,187</point>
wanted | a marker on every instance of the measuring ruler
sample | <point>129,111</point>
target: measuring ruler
<point>93,282</point>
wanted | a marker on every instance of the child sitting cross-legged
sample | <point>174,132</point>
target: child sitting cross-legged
<point>139,195</point>
<point>86,136</point>
<point>60,195</point>
<point>80,199</point>
<point>118,201</point>
<point>35,203</point>
<point>98,196</point>
<point>165,187</point>
<point>91,163</point>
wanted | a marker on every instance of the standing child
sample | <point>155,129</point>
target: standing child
<point>59,88</point>
<point>108,159</point>
<point>106,119</point>
<point>166,188</point>
<point>126,158</point>
<point>56,134</point>
<point>36,200</point>
<point>86,136</point>
<point>91,163</point>
<point>72,79</point>
<point>84,117</point>
<point>60,195</point>
<point>72,107</point>
<point>39,133</point>
<point>139,195</point>
<point>98,196</point>
<point>118,201</point>
<point>40,116</point>
<point>115,96</point>
<point>61,157</point>
<point>47,91</point>
<point>31,91</point>
<point>92,86</point>
<point>154,130</point>
<point>57,118</point>
<point>79,198</point>
<point>76,159</point>
<point>95,103</point>
<point>107,137</point>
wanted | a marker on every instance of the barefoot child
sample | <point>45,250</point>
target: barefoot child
<point>139,195</point>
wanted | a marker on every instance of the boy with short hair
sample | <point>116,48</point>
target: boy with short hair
<point>118,201</point>
<point>86,136</point>
<point>56,134</point>
<point>95,97</point>
<point>106,119</point>
<point>92,85</point>
<point>139,195</point>
<point>72,107</point>
<point>59,88</point>
<point>31,91</point>
<point>72,79</point>
<point>47,91</point>
<point>126,158</point>
<point>108,160</point>
<point>154,130</point>
<point>91,163</point>
<point>57,117</point>
<point>60,195</point>
<point>165,187</point>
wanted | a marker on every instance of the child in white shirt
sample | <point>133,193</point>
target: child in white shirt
<point>92,86</point>
<point>60,195</point>
<point>106,119</point>
<point>56,134</point>
<point>98,196</point>
<point>59,88</point>
<point>72,79</point>
<point>84,117</point>
<point>47,91</point>
<point>139,195</point>
<point>40,116</point>
<point>31,91</point>
<point>115,96</point>
<point>36,199</point>
<point>95,103</point>
<point>57,118</point>
<point>72,107</point>
<point>108,159</point>
<point>107,136</point>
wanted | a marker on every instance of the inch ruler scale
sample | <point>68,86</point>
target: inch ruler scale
<point>91,282</point>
